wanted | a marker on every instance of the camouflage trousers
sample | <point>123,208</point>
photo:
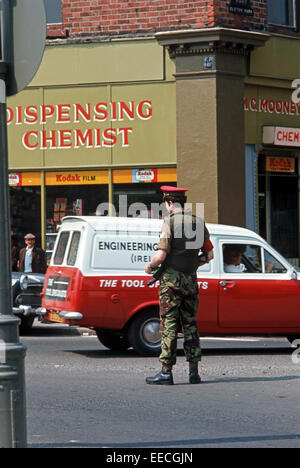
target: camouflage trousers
<point>179,298</point>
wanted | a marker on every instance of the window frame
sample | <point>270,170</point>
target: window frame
<point>75,239</point>
<point>61,13</point>
<point>62,234</point>
<point>263,248</point>
<point>277,260</point>
<point>280,25</point>
<point>246,243</point>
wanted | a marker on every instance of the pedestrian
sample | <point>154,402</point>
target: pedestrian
<point>14,251</point>
<point>32,259</point>
<point>179,291</point>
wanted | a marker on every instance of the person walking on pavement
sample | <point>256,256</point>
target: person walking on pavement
<point>32,259</point>
<point>179,291</point>
<point>14,251</point>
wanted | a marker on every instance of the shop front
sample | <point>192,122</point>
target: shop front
<point>81,140</point>
<point>89,139</point>
<point>278,201</point>
<point>39,200</point>
<point>272,172</point>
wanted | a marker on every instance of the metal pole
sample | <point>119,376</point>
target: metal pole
<point>12,353</point>
<point>43,210</point>
<point>110,192</point>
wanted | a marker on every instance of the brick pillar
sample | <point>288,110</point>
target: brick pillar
<point>211,65</point>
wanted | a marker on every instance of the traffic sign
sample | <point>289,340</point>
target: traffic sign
<point>23,36</point>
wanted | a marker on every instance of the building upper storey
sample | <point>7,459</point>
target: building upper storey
<point>83,19</point>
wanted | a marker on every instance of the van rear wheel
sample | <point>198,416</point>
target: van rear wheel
<point>144,333</point>
<point>113,341</point>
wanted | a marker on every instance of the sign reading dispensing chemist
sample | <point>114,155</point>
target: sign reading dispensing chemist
<point>73,126</point>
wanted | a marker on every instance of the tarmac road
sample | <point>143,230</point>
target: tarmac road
<point>79,394</point>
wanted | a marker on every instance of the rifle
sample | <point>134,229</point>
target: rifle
<point>157,274</point>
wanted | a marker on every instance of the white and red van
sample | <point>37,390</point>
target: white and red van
<point>96,279</point>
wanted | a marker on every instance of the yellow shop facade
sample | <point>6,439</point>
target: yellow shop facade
<point>98,121</point>
<point>215,110</point>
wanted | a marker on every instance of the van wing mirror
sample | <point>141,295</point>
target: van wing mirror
<point>294,275</point>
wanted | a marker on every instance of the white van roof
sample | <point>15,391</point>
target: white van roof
<point>146,224</point>
<point>99,223</point>
<point>227,230</point>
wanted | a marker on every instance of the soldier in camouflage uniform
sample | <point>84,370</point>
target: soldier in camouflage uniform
<point>179,292</point>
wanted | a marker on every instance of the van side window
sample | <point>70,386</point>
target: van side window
<point>272,265</point>
<point>242,258</point>
<point>61,248</point>
<point>73,250</point>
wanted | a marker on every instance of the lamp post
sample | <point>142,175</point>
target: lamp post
<point>22,42</point>
<point>12,353</point>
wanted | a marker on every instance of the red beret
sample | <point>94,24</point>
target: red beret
<point>170,189</point>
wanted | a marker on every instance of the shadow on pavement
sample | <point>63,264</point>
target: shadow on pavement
<point>41,330</point>
<point>181,443</point>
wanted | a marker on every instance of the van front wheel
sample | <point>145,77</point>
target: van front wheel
<point>112,340</point>
<point>144,333</point>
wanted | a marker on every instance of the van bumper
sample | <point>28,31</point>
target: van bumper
<point>70,315</point>
<point>28,310</point>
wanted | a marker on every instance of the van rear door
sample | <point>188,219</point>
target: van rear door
<point>61,275</point>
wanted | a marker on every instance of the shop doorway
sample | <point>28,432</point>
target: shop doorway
<point>25,209</point>
<point>279,205</point>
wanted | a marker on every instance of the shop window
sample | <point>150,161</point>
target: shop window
<point>278,203</point>
<point>134,200</point>
<point>53,11</point>
<point>69,200</point>
<point>282,13</point>
<point>25,208</point>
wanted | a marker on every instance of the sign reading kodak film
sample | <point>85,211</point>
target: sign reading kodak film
<point>120,176</point>
<point>93,126</point>
<point>76,178</point>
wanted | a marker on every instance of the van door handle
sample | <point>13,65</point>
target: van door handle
<point>227,284</point>
<point>115,298</point>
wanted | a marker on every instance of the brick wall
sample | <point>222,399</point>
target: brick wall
<point>84,18</point>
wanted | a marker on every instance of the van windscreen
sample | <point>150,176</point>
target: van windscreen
<point>61,248</point>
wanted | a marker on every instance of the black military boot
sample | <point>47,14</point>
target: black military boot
<point>164,377</point>
<point>194,377</point>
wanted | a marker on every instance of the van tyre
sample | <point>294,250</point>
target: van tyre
<point>26,324</point>
<point>293,338</point>
<point>113,341</point>
<point>144,333</point>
